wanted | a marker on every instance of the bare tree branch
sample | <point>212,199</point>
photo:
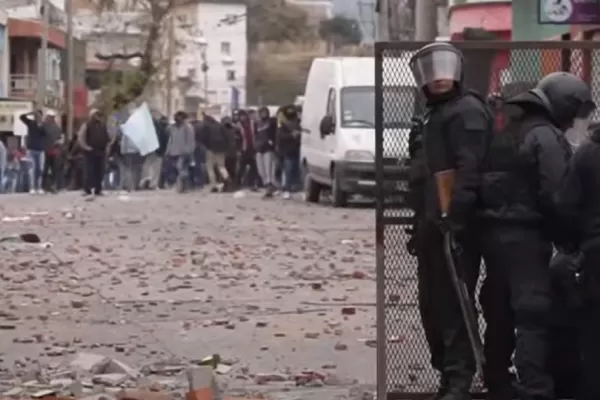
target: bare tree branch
<point>118,56</point>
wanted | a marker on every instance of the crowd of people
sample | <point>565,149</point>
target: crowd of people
<point>248,149</point>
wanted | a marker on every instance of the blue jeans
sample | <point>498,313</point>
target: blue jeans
<point>11,179</point>
<point>291,173</point>
<point>168,171</point>
<point>35,173</point>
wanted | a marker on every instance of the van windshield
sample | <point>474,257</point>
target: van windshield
<point>358,106</point>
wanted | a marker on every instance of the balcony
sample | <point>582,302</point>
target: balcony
<point>24,87</point>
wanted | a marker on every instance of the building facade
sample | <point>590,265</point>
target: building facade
<point>203,52</point>
<point>362,11</point>
<point>222,35</point>
<point>4,55</point>
<point>317,10</point>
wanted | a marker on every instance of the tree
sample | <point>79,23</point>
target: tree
<point>340,31</point>
<point>277,21</point>
<point>145,20</point>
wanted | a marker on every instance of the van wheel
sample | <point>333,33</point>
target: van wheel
<point>340,198</point>
<point>312,189</point>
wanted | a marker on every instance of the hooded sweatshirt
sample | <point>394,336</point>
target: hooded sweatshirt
<point>288,135</point>
<point>266,132</point>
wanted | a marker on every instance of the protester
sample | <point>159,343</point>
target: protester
<point>288,146</point>
<point>217,144</point>
<point>94,140</point>
<point>266,132</point>
<point>53,159</point>
<point>235,142</point>
<point>15,176</point>
<point>198,172</point>
<point>181,146</point>
<point>152,166</point>
<point>130,164</point>
<point>247,161</point>
<point>35,144</point>
<point>74,169</point>
<point>112,176</point>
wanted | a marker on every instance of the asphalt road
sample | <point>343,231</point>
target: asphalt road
<point>275,287</point>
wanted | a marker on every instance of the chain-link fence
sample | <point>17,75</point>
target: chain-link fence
<point>491,68</point>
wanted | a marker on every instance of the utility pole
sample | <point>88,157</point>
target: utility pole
<point>425,20</point>
<point>43,54</point>
<point>170,56</point>
<point>383,21</point>
<point>205,72</point>
<point>394,24</point>
<point>70,69</point>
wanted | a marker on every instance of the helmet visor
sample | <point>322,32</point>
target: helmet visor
<point>579,131</point>
<point>435,65</point>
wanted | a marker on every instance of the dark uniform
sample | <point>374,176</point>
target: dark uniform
<point>456,130</point>
<point>521,175</point>
<point>579,206</point>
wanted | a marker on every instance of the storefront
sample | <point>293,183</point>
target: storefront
<point>574,21</point>
<point>493,17</point>
<point>10,110</point>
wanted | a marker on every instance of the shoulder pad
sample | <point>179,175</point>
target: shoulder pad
<point>477,95</point>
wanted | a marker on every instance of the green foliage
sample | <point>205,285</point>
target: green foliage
<point>119,88</point>
<point>341,31</point>
<point>277,21</point>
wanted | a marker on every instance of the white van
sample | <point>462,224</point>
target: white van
<point>338,120</point>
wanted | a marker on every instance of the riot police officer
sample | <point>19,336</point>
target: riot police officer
<point>456,130</point>
<point>521,175</point>
<point>578,203</point>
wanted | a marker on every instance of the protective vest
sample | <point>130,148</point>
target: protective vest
<point>509,177</point>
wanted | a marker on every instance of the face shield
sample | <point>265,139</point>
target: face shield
<point>579,131</point>
<point>436,64</point>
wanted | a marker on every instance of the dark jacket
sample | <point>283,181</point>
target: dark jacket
<point>456,135</point>
<point>162,134</point>
<point>214,136</point>
<point>524,167</point>
<point>266,132</point>
<point>578,199</point>
<point>36,136</point>
<point>53,135</point>
<point>288,137</point>
<point>94,134</point>
<point>235,139</point>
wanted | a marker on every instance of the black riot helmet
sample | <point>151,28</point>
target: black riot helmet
<point>565,96</point>
<point>437,61</point>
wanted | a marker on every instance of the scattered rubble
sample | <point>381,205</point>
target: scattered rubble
<point>136,289</point>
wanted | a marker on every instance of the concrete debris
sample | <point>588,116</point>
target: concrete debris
<point>137,289</point>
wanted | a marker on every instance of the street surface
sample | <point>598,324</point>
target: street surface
<point>158,281</point>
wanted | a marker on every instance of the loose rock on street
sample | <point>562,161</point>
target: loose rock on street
<point>129,291</point>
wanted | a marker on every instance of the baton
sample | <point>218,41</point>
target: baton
<point>445,184</point>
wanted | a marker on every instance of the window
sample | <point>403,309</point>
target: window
<point>226,48</point>
<point>331,104</point>
<point>358,111</point>
<point>230,75</point>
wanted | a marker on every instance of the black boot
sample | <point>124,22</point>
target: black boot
<point>458,387</point>
<point>443,389</point>
<point>270,191</point>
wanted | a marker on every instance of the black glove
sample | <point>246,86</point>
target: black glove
<point>447,225</point>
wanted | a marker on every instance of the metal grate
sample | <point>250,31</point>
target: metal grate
<point>506,68</point>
